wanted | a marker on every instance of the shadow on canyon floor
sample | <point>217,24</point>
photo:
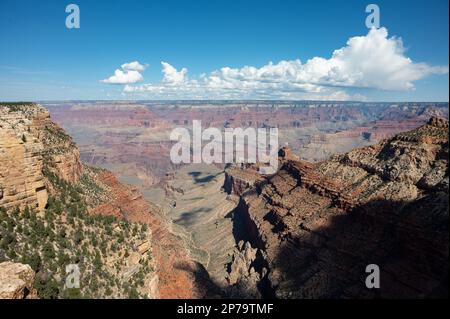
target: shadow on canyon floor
<point>204,179</point>
<point>191,217</point>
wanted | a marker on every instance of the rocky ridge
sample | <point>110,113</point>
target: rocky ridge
<point>317,226</point>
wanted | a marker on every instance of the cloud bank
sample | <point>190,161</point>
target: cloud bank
<point>373,61</point>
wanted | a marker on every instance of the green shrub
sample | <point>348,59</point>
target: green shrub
<point>46,288</point>
<point>34,260</point>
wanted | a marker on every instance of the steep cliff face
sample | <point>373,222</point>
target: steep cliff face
<point>21,178</point>
<point>318,226</point>
<point>30,141</point>
<point>60,153</point>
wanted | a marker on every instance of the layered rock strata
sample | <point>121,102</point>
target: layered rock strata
<point>28,139</point>
<point>320,225</point>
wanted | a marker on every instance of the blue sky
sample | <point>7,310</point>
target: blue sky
<point>40,59</point>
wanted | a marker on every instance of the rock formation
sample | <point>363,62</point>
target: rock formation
<point>21,178</point>
<point>16,281</point>
<point>28,138</point>
<point>244,274</point>
<point>320,225</point>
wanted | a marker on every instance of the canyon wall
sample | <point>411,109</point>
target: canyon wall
<point>317,226</point>
<point>28,140</point>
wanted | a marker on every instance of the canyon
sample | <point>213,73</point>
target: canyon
<point>357,184</point>
<point>131,138</point>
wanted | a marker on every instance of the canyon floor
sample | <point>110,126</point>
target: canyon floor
<point>200,211</point>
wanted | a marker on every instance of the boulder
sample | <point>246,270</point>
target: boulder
<point>16,281</point>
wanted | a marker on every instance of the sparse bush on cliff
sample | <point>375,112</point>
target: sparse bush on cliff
<point>15,106</point>
<point>46,288</point>
<point>67,234</point>
<point>34,260</point>
<point>49,249</point>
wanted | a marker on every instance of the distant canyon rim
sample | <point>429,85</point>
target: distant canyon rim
<point>132,139</point>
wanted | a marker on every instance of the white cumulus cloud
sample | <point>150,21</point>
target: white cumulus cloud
<point>123,77</point>
<point>129,74</point>
<point>171,75</point>
<point>134,66</point>
<point>373,61</point>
